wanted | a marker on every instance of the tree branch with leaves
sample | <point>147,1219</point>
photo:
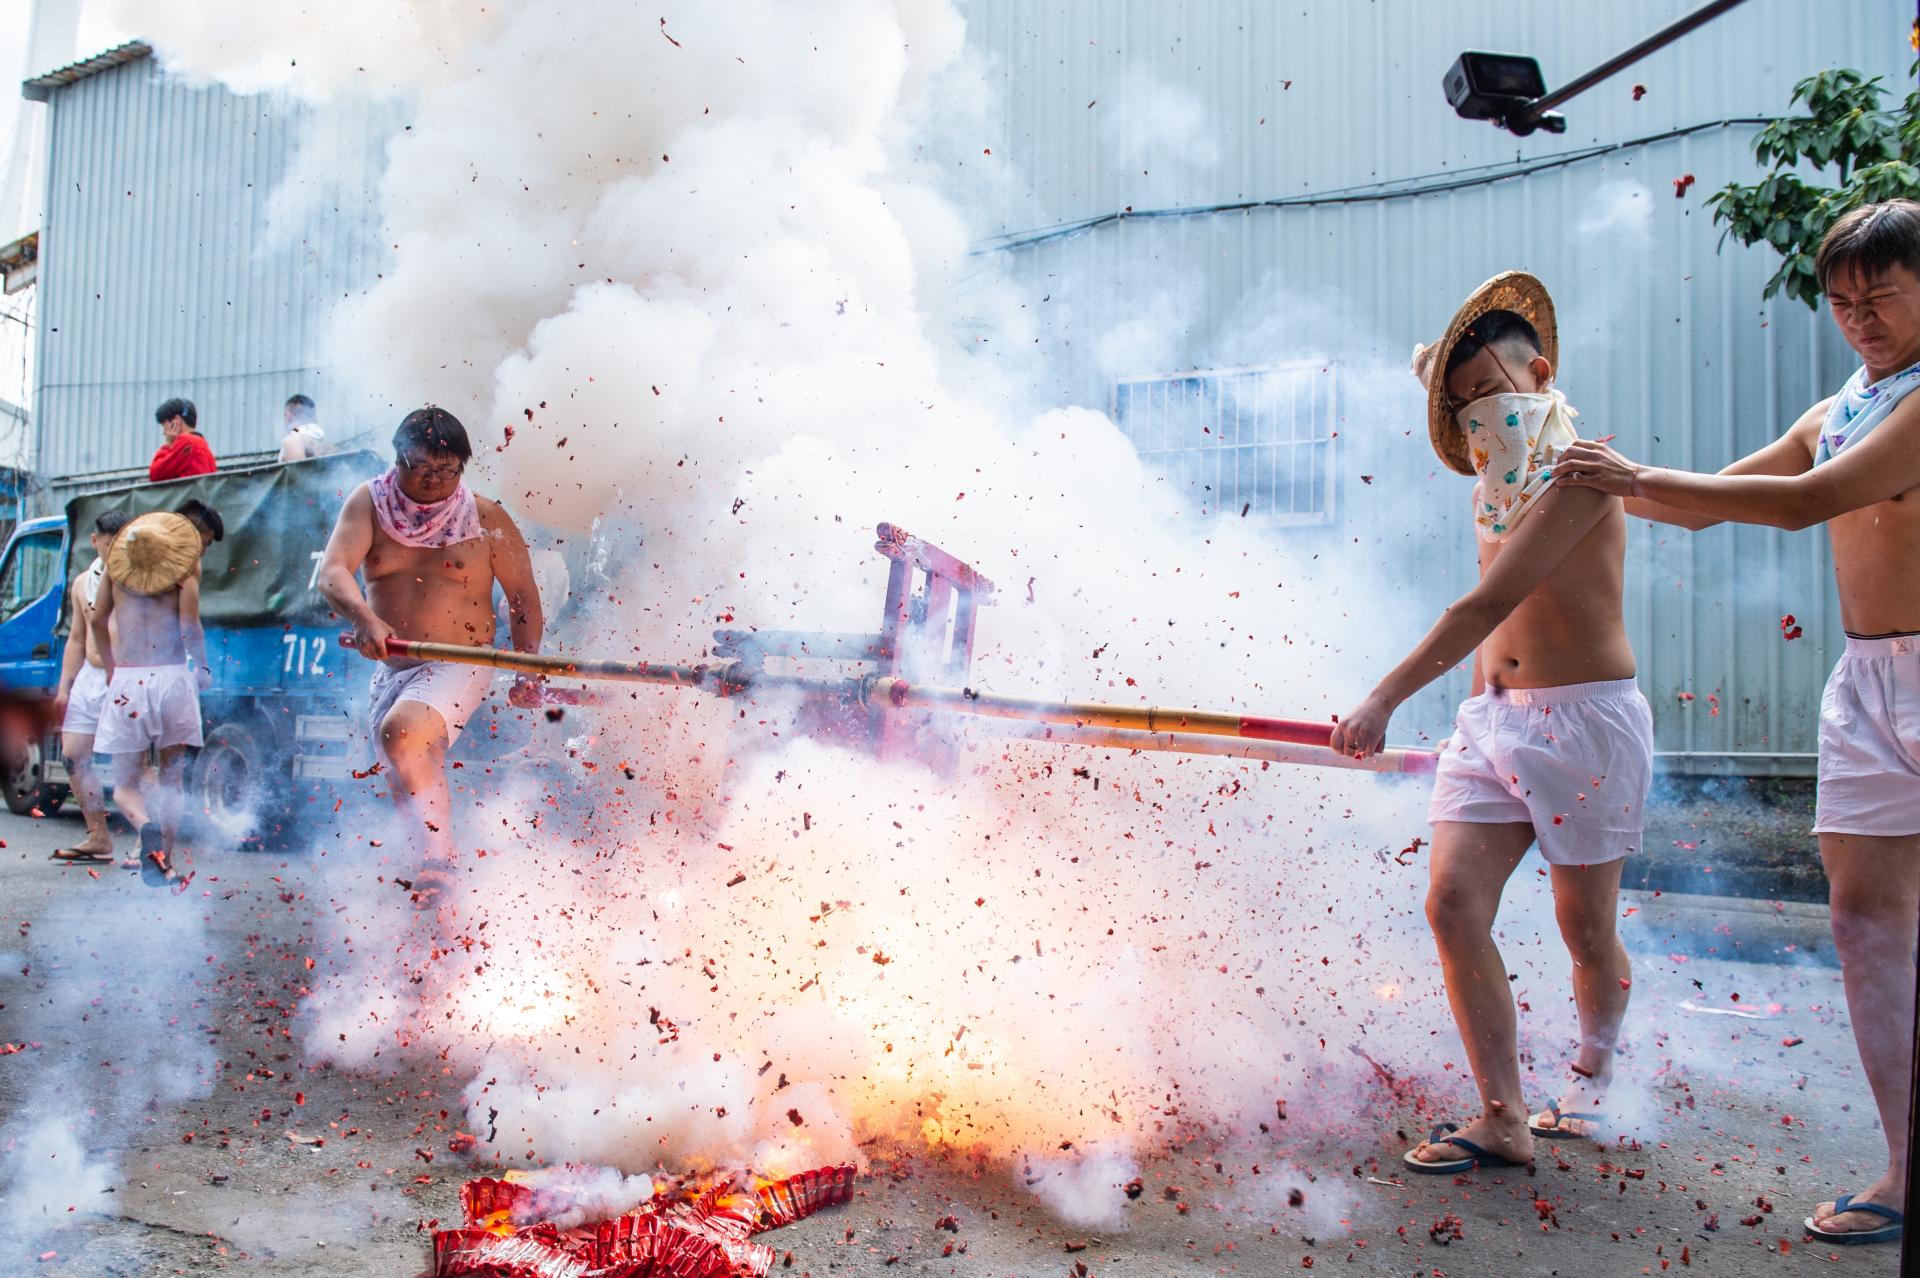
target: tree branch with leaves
<point>1874,154</point>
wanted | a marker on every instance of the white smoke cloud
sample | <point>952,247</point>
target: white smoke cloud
<point>1622,208</point>
<point>678,257</point>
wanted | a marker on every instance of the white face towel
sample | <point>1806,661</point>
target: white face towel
<point>1859,407</point>
<point>1513,440</point>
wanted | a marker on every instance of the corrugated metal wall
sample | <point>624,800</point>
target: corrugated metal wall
<point>162,273</point>
<point>1118,104</point>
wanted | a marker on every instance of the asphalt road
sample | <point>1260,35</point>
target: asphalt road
<point>158,1027</point>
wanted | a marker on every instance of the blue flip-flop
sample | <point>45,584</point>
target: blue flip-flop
<point>1889,1232</point>
<point>1476,1156</point>
<point>1554,1129</point>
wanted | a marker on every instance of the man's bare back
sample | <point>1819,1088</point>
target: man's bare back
<point>146,628</point>
<point>81,607</point>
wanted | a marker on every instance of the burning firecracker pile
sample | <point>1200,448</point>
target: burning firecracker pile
<point>687,1234</point>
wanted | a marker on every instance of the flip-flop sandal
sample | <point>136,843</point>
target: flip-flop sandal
<point>1889,1232</point>
<point>80,855</point>
<point>1476,1156</point>
<point>1556,1116</point>
<point>156,863</point>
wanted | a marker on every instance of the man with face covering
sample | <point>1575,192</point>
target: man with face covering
<point>432,552</point>
<point>1556,743</point>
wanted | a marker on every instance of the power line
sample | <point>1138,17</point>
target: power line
<point>1371,193</point>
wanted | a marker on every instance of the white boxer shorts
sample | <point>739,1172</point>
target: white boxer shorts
<point>149,706</point>
<point>1575,762</point>
<point>84,701</point>
<point>454,691</point>
<point>1870,741</point>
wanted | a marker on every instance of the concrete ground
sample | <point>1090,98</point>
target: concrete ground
<point>257,1164</point>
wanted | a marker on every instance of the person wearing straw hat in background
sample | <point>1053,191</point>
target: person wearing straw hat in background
<point>1556,743</point>
<point>146,624</point>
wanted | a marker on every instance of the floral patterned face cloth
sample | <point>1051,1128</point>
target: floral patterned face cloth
<point>411,523</point>
<point>1859,407</point>
<point>1513,440</point>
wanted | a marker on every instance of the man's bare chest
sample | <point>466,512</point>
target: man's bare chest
<point>460,564</point>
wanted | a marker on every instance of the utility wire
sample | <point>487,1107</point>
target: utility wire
<point>1370,193</point>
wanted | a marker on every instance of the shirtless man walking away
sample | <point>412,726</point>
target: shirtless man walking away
<point>82,695</point>
<point>146,625</point>
<point>432,551</point>
<point>1853,463</point>
<point>1556,742</point>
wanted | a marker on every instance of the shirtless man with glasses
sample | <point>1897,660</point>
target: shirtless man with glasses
<point>432,552</point>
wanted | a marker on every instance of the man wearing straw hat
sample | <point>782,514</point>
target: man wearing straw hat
<point>432,552</point>
<point>1555,745</point>
<point>1852,462</point>
<point>146,624</point>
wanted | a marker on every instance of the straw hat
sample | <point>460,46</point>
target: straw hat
<point>154,553</point>
<point>1514,291</point>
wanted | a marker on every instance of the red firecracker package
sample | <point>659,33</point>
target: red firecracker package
<point>707,1235</point>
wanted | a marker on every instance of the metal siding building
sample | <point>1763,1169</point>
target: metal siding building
<point>168,268</point>
<point>1135,105</point>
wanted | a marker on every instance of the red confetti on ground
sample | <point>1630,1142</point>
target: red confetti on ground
<point>699,1235</point>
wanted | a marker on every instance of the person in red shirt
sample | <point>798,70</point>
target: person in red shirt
<point>185,454</point>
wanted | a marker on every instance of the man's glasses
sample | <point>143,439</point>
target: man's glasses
<point>430,472</point>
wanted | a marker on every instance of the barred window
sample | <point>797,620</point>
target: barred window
<point>1254,441</point>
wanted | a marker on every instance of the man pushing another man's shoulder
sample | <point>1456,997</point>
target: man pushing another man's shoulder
<point>431,552</point>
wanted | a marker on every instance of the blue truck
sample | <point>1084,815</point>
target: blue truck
<point>279,730</point>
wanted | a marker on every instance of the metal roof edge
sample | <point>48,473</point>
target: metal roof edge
<point>40,87</point>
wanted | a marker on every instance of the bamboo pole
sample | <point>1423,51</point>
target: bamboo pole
<point>1392,759</point>
<point>1070,722</point>
<point>1094,714</point>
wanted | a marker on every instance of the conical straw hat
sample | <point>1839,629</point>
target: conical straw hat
<point>154,553</point>
<point>1514,291</point>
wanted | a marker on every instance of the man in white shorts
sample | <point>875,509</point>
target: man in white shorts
<point>1555,745</point>
<point>432,552</point>
<point>81,696</point>
<point>1853,463</point>
<point>146,623</point>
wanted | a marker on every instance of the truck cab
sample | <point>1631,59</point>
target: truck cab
<point>33,582</point>
<point>33,577</point>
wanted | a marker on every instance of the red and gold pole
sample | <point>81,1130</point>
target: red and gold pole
<point>1175,730</point>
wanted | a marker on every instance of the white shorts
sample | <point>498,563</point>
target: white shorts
<point>84,701</point>
<point>455,691</point>
<point>1575,762</point>
<point>149,706</point>
<point>1870,741</point>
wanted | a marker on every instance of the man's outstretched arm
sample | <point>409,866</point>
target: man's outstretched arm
<point>1883,464</point>
<point>1555,526</point>
<point>347,549</point>
<point>513,569</point>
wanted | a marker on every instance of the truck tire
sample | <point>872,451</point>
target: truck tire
<point>23,781</point>
<point>238,786</point>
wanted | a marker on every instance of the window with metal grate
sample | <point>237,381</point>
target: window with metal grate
<point>1239,441</point>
